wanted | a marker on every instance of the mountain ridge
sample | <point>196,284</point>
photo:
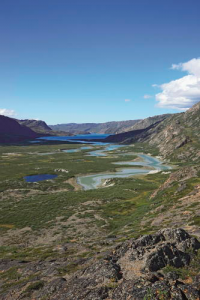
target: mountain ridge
<point>38,126</point>
<point>179,131</point>
<point>41,127</point>
<point>101,128</point>
<point>12,131</point>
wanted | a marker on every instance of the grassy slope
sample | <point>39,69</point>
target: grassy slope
<point>85,220</point>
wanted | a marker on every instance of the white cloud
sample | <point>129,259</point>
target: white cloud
<point>184,92</point>
<point>127,100</point>
<point>147,96</point>
<point>7,112</point>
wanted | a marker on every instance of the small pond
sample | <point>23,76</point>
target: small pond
<point>39,177</point>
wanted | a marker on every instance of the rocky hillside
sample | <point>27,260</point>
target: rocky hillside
<point>142,124</point>
<point>101,128</point>
<point>139,269</point>
<point>12,131</point>
<point>36,125</point>
<point>177,136</point>
<point>150,267</point>
<point>109,127</point>
<point>41,127</point>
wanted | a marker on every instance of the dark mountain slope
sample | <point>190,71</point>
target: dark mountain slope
<point>130,136</point>
<point>12,131</point>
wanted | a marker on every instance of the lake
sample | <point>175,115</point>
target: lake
<point>80,138</point>
<point>39,177</point>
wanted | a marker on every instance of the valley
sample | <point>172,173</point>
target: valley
<point>99,150</point>
<point>56,220</point>
<point>71,202</point>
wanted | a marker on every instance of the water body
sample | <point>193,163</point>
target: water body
<point>80,138</point>
<point>104,151</point>
<point>77,149</point>
<point>46,153</point>
<point>89,182</point>
<point>146,161</point>
<point>39,177</point>
<point>94,181</point>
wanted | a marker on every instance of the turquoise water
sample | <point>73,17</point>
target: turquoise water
<point>104,151</point>
<point>39,177</point>
<point>94,181</point>
<point>146,161</point>
<point>77,149</point>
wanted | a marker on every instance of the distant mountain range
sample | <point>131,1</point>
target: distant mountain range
<point>114,127</point>
<point>26,129</point>
<point>42,128</point>
<point>169,133</point>
<point>101,128</point>
<point>13,130</point>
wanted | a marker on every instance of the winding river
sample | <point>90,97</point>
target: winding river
<point>147,163</point>
<point>94,181</point>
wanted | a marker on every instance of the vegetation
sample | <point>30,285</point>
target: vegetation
<point>37,219</point>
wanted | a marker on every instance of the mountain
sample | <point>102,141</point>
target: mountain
<point>109,127</point>
<point>36,125</point>
<point>12,131</point>
<point>101,128</point>
<point>41,127</point>
<point>175,137</point>
<point>142,124</point>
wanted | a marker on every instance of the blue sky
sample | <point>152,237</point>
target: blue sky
<point>78,60</point>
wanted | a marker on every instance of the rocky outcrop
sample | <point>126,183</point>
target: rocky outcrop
<point>133,270</point>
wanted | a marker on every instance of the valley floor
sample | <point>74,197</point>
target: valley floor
<point>53,229</point>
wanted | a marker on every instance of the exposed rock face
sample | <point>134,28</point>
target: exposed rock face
<point>135,269</point>
<point>133,266</point>
<point>132,271</point>
<point>153,252</point>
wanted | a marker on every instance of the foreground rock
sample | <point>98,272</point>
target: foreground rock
<point>136,269</point>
